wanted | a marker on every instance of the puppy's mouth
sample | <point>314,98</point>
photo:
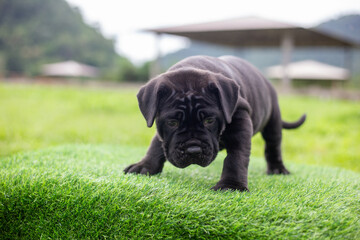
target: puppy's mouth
<point>183,155</point>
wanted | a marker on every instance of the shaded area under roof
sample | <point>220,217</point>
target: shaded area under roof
<point>309,70</point>
<point>253,31</point>
<point>69,69</point>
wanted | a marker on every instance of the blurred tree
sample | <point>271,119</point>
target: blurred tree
<point>143,71</point>
<point>34,32</point>
<point>130,73</point>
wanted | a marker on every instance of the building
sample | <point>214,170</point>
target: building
<point>309,70</point>
<point>69,69</point>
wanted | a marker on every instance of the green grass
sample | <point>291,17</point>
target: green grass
<point>77,190</point>
<point>80,192</point>
<point>34,117</point>
<point>330,135</point>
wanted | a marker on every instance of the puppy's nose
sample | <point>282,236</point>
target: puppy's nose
<point>193,150</point>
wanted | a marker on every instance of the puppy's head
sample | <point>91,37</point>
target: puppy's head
<point>191,108</point>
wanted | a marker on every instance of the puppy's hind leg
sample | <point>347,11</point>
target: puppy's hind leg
<point>272,134</point>
<point>152,163</point>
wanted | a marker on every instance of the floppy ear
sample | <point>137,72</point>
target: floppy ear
<point>149,97</point>
<point>228,94</point>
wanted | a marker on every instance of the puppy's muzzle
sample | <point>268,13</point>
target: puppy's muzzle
<point>193,148</point>
<point>193,151</point>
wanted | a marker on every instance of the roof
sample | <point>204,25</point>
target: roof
<point>309,70</point>
<point>253,31</point>
<point>246,23</point>
<point>69,69</point>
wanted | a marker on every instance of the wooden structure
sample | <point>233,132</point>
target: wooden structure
<point>257,32</point>
<point>310,70</point>
<point>69,69</point>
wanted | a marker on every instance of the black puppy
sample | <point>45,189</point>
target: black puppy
<point>204,104</point>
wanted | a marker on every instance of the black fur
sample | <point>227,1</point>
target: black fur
<point>203,104</point>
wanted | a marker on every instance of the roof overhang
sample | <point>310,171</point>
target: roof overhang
<point>253,32</point>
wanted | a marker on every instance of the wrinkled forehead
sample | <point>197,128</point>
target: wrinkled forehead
<point>190,102</point>
<point>190,98</point>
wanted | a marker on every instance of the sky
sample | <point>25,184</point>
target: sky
<point>126,20</point>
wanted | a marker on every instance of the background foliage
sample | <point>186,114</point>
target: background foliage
<point>37,32</point>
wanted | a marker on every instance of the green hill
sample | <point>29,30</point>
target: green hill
<point>34,32</point>
<point>347,26</point>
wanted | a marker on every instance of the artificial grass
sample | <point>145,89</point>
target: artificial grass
<point>80,192</point>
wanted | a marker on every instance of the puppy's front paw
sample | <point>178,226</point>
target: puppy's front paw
<point>277,171</point>
<point>141,168</point>
<point>229,185</point>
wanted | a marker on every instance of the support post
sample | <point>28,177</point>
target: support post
<point>287,45</point>
<point>348,60</point>
<point>155,65</point>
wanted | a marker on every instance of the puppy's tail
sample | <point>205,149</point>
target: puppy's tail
<point>292,125</point>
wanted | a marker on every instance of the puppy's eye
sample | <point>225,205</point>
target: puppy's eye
<point>209,121</point>
<point>172,123</point>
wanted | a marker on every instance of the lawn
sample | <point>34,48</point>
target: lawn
<point>62,152</point>
<point>34,117</point>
